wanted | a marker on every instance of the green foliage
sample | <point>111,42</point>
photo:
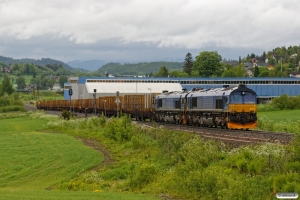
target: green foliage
<point>182,165</point>
<point>208,64</point>
<point>4,101</point>
<point>62,80</point>
<point>21,82</point>
<point>238,71</point>
<point>12,109</point>
<point>256,71</point>
<point>143,175</point>
<point>188,64</point>
<point>285,102</point>
<point>163,72</point>
<point>30,62</point>
<point>6,86</point>
<point>177,73</point>
<point>119,129</point>
<point>66,114</point>
<point>138,68</point>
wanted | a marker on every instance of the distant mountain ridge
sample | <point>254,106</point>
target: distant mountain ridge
<point>137,69</point>
<point>42,62</point>
<point>90,65</point>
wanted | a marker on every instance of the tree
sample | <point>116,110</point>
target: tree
<point>238,71</point>
<point>188,64</point>
<point>6,86</point>
<point>62,80</point>
<point>47,82</point>
<point>208,64</point>
<point>21,82</point>
<point>256,71</point>
<point>177,73</point>
<point>272,61</point>
<point>163,72</point>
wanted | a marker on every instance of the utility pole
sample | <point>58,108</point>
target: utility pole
<point>95,91</point>
<point>70,94</point>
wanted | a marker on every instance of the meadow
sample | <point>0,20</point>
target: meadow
<point>278,120</point>
<point>281,115</point>
<point>34,162</point>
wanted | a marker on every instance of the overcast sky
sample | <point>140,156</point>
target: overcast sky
<point>145,30</point>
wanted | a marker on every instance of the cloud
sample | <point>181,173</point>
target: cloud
<point>168,24</point>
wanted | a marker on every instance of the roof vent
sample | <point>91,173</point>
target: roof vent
<point>197,89</point>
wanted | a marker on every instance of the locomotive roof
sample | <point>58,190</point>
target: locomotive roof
<point>208,92</point>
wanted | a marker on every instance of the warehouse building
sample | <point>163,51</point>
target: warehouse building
<point>84,88</point>
<point>266,88</point>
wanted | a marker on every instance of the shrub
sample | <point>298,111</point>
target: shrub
<point>4,101</point>
<point>143,175</point>
<point>66,114</point>
<point>12,109</point>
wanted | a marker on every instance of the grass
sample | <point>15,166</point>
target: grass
<point>282,115</point>
<point>62,195</point>
<point>33,162</point>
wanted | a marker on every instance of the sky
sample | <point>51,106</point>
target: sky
<point>145,30</point>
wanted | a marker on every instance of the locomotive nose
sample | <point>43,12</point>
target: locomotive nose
<point>243,118</point>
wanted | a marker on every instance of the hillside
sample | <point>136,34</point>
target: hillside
<point>144,68</point>
<point>42,62</point>
<point>90,65</point>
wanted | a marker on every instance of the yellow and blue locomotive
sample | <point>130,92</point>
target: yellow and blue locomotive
<point>227,107</point>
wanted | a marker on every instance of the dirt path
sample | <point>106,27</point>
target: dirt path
<point>94,144</point>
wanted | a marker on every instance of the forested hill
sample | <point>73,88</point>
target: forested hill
<point>143,68</point>
<point>42,62</point>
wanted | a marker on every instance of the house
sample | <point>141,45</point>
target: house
<point>295,74</point>
<point>271,67</point>
<point>293,56</point>
<point>7,69</point>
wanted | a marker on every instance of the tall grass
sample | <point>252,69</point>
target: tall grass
<point>182,165</point>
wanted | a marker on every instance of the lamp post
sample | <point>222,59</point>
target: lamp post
<point>95,91</point>
<point>104,101</point>
<point>148,98</point>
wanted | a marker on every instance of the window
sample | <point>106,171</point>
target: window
<point>159,103</point>
<point>219,104</point>
<point>177,104</point>
<point>194,102</point>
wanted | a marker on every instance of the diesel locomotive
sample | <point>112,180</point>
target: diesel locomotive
<point>227,107</point>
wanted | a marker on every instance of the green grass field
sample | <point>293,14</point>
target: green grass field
<point>32,162</point>
<point>282,115</point>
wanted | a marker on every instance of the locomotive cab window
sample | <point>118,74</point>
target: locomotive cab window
<point>159,103</point>
<point>243,98</point>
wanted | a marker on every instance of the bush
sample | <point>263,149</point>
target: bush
<point>12,109</point>
<point>143,175</point>
<point>4,101</point>
<point>66,114</point>
<point>285,102</point>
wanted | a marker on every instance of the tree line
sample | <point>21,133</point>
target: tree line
<point>280,62</point>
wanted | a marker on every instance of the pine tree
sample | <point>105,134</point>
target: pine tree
<point>256,71</point>
<point>188,64</point>
<point>6,86</point>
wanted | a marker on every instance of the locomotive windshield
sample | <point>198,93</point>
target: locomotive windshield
<point>243,98</point>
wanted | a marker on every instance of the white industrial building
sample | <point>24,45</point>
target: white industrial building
<point>84,88</point>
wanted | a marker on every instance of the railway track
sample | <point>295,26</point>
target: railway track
<point>233,138</point>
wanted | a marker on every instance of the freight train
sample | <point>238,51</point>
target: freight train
<point>227,107</point>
